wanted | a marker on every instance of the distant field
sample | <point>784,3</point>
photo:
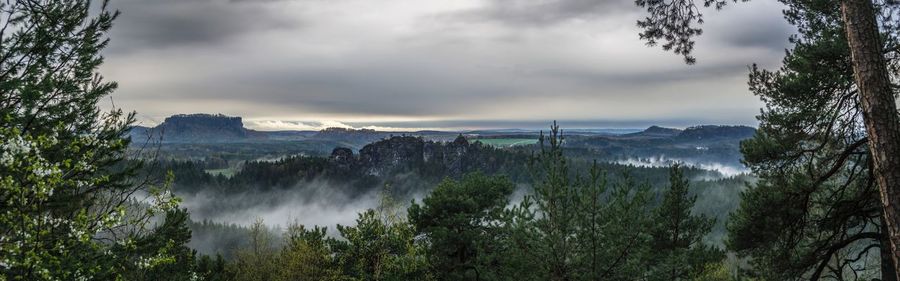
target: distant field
<point>227,172</point>
<point>507,142</point>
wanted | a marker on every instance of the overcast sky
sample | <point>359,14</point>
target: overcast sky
<point>303,64</point>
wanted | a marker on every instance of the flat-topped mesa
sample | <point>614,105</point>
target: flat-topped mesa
<point>195,116</point>
<point>200,120</point>
<point>202,128</point>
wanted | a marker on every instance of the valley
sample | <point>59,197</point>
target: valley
<point>230,180</point>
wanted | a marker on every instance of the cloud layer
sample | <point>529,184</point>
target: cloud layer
<point>423,62</point>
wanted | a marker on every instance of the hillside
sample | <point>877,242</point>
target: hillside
<point>206,128</point>
<point>708,144</point>
<point>655,131</point>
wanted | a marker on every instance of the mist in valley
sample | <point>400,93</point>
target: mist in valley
<point>222,219</point>
<point>725,170</point>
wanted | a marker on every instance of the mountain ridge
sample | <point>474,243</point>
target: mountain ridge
<point>220,128</point>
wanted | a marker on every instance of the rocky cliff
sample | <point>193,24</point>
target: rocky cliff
<point>198,128</point>
<point>406,153</point>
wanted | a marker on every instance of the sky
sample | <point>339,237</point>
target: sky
<point>413,64</point>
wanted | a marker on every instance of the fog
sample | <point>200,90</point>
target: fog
<point>663,161</point>
<point>314,203</point>
<point>327,203</point>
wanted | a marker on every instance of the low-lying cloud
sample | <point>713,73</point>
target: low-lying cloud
<point>663,161</point>
<point>316,203</point>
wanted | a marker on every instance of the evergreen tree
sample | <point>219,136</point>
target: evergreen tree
<point>382,245</point>
<point>459,221</point>
<point>572,227</point>
<point>209,269</point>
<point>171,238</point>
<point>377,250</point>
<point>612,227</point>
<point>556,201</point>
<point>868,35</point>
<point>66,193</point>
<point>815,211</point>
<point>306,255</point>
<point>679,251</point>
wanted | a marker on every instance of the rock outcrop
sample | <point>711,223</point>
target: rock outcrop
<point>342,158</point>
<point>406,153</point>
<point>198,128</point>
<point>395,153</point>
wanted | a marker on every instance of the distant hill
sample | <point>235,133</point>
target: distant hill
<point>719,142</point>
<point>706,143</point>
<point>655,131</point>
<point>695,133</point>
<point>207,128</point>
<point>219,129</point>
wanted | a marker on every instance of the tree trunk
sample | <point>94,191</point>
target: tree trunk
<point>879,109</point>
<point>888,269</point>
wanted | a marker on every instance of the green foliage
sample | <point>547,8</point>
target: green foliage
<point>571,227</point>
<point>380,249</point>
<point>576,229</point>
<point>460,221</point>
<point>67,204</point>
<point>307,256</point>
<point>175,260</point>
<point>679,251</point>
<point>209,269</point>
<point>675,23</point>
<point>381,246</point>
<point>815,211</point>
<point>259,260</point>
<point>714,272</point>
<point>722,271</point>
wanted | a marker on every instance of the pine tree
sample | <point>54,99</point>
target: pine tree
<point>209,269</point>
<point>459,221</point>
<point>815,211</point>
<point>864,26</point>
<point>679,251</point>
<point>306,255</point>
<point>556,201</point>
<point>576,228</point>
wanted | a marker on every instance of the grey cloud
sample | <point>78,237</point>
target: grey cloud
<point>153,24</point>
<point>738,25</point>
<point>540,13</point>
<point>323,59</point>
<point>770,35</point>
<point>741,26</point>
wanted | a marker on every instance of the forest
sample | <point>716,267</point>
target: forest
<point>85,194</point>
